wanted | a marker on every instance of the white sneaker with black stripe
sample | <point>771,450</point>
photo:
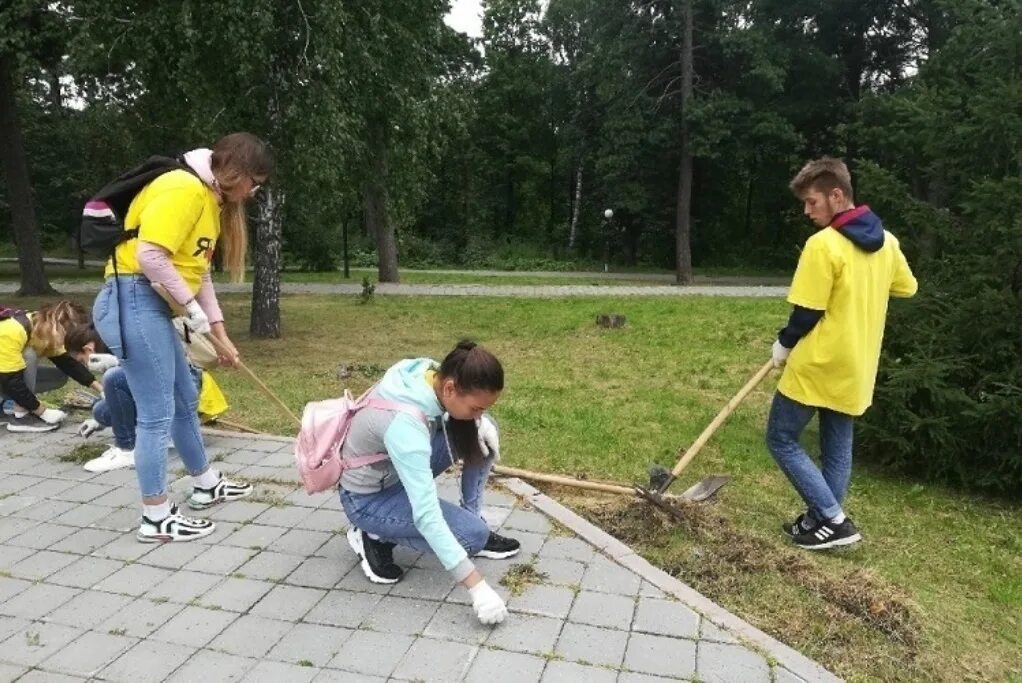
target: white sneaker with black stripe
<point>175,527</point>
<point>828,534</point>
<point>223,491</point>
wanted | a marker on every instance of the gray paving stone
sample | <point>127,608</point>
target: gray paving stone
<point>782,675</point>
<point>11,625</point>
<point>85,572</point>
<point>10,555</point>
<point>9,587</point>
<point>88,654</point>
<point>325,520</point>
<point>194,626</point>
<point>78,514</point>
<point>458,623</point>
<point>140,618</point>
<point>125,548</point>
<point>601,609</point>
<point>42,536</point>
<point>301,542</point>
<point>550,601</point>
<point>337,676</point>
<point>372,653</point>
<point>245,457</point>
<point>85,541</point>
<point>11,527</point>
<point>303,499</point>
<point>591,645</point>
<point>285,460</point>
<point>561,571</point>
<point>343,608</point>
<point>665,618</point>
<point>134,579</point>
<point>10,672</point>
<point>254,536</point>
<point>183,586</point>
<point>434,661</point>
<point>122,520</point>
<point>355,580</point>
<point>82,493</point>
<point>497,666</point>
<point>147,662</point>
<point>12,504</point>
<point>280,672</point>
<point>311,643</point>
<point>649,654</point>
<point>499,497</point>
<point>173,555</point>
<point>122,495</point>
<point>526,633</point>
<point>237,595</point>
<point>648,590</point>
<point>567,548</point>
<point>400,615</point>
<point>88,609</point>
<point>52,511</point>
<point>41,564</point>
<point>287,516</point>
<point>45,489</point>
<point>525,520</point>
<point>251,636</point>
<point>220,560</point>
<point>495,516</point>
<point>722,663</point>
<point>35,642</point>
<point>570,672</point>
<point>712,632</point>
<point>207,665</point>
<point>37,601</point>
<point>288,603</point>
<point>238,511</point>
<point>426,584</point>
<point>606,576</point>
<point>270,566</point>
<point>632,677</point>
<point>530,544</point>
<point>320,572</point>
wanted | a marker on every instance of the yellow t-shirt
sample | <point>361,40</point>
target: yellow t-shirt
<point>14,340</point>
<point>835,365</point>
<point>178,212</point>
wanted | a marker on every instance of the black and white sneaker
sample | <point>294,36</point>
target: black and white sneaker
<point>225,490</point>
<point>828,535</point>
<point>176,527</point>
<point>802,524</point>
<point>499,547</point>
<point>377,557</point>
<point>30,422</point>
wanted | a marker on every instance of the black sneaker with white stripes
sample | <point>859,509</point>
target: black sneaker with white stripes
<point>176,527</point>
<point>802,524</point>
<point>223,491</point>
<point>377,557</point>
<point>499,547</point>
<point>828,535</point>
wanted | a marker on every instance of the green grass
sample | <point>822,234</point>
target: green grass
<point>934,592</point>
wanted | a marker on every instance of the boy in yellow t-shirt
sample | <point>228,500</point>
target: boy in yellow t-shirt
<point>830,347</point>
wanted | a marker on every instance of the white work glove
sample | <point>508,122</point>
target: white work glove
<point>488,606</point>
<point>780,353</point>
<point>196,320</point>
<point>489,438</point>
<point>99,363</point>
<point>53,416</point>
<point>88,428</point>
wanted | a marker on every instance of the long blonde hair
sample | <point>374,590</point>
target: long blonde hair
<point>51,322</point>
<point>236,157</point>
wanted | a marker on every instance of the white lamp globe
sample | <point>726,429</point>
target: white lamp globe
<point>608,214</point>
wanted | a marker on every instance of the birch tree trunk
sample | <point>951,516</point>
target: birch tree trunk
<point>265,320</point>
<point>576,208</point>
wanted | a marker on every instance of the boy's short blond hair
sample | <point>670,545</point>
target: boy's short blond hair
<point>823,175</point>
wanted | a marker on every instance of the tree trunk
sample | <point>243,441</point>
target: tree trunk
<point>375,199</point>
<point>683,220</point>
<point>19,188</point>
<point>576,207</point>
<point>265,320</point>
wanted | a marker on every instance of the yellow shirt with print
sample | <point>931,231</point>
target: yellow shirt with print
<point>178,212</point>
<point>835,365</point>
<point>13,341</point>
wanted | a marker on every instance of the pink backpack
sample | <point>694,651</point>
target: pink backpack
<point>325,425</point>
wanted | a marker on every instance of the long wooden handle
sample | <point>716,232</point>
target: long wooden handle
<point>224,351</point>
<point>697,446</point>
<point>563,481</point>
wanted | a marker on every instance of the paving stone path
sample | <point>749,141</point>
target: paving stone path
<point>276,594</point>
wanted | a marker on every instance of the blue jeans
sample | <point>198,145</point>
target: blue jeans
<point>158,375</point>
<point>823,491</point>
<point>117,410</point>
<point>388,513</point>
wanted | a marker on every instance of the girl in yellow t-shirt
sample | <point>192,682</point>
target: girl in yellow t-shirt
<point>182,217</point>
<point>24,339</point>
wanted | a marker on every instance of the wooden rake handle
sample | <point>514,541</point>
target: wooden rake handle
<point>563,481</point>
<point>698,444</point>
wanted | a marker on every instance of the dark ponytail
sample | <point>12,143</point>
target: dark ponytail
<point>472,368</point>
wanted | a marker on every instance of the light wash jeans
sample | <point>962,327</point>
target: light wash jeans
<point>823,491</point>
<point>158,375</point>
<point>388,513</point>
<point>117,410</point>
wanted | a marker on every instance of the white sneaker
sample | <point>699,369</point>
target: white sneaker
<point>113,458</point>
<point>176,527</point>
<point>225,490</point>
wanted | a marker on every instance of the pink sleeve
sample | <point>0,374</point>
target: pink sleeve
<point>156,265</point>
<point>207,300</point>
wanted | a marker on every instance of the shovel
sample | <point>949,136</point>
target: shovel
<point>660,478</point>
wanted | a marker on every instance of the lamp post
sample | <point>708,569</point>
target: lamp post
<point>608,215</point>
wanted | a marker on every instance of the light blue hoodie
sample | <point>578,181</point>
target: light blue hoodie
<point>408,442</point>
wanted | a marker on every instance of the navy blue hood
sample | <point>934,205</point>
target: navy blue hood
<point>862,227</point>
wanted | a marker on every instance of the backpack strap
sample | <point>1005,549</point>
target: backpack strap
<point>380,404</point>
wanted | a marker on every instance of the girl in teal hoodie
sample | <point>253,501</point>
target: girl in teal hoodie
<point>395,501</point>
